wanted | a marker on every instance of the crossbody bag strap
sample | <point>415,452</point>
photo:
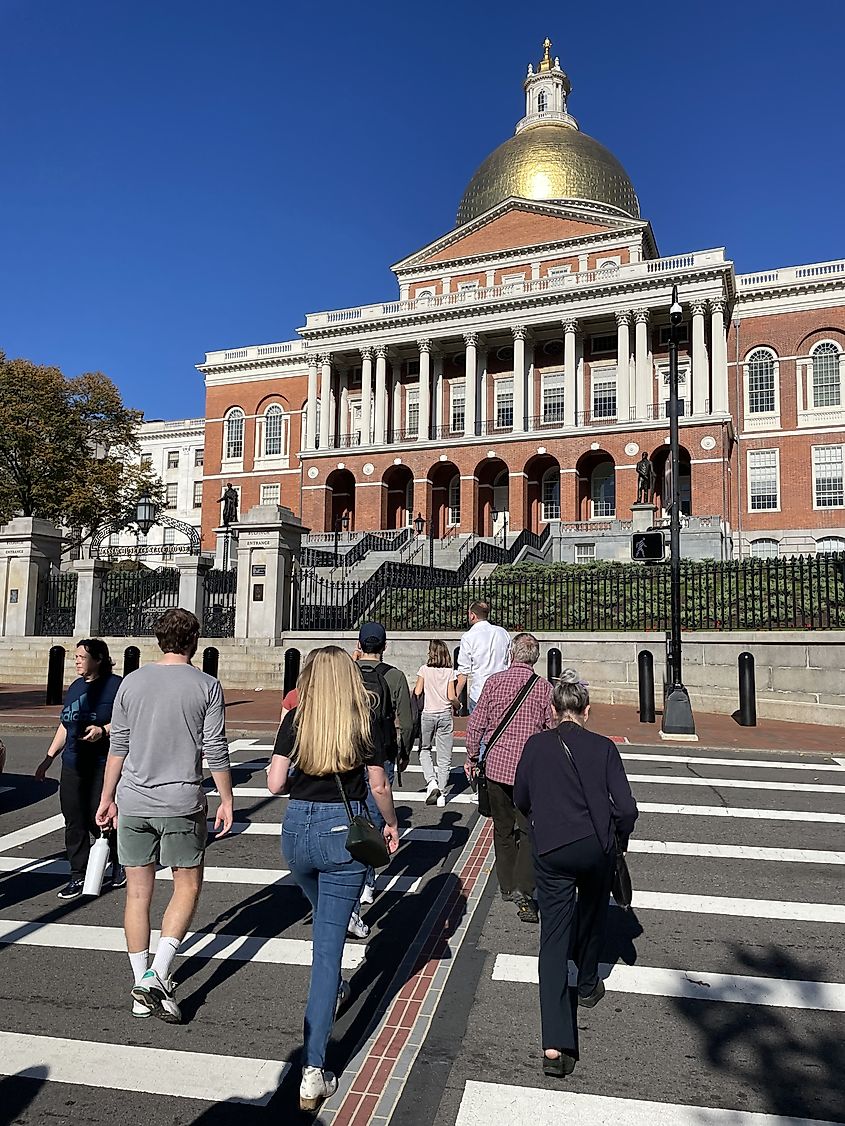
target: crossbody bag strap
<point>343,797</point>
<point>571,758</point>
<point>517,703</point>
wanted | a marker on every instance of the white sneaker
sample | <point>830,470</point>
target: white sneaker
<point>432,793</point>
<point>368,895</point>
<point>343,994</point>
<point>139,1010</point>
<point>357,927</point>
<point>157,997</point>
<point>441,800</point>
<point>316,1086</point>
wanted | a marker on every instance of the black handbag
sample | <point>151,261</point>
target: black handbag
<point>483,793</point>
<point>364,842</point>
<point>481,771</point>
<point>621,888</point>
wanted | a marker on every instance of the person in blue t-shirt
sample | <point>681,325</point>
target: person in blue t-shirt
<point>82,739</point>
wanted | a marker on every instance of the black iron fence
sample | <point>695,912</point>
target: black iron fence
<point>132,601</point>
<point>56,611</point>
<point>806,593</point>
<point>218,618</point>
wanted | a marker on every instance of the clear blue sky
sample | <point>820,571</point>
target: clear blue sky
<point>183,175</point>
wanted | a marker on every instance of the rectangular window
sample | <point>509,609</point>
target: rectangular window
<point>604,393</point>
<point>270,494</point>
<point>826,387</point>
<point>558,271</point>
<point>683,334</point>
<point>466,287</point>
<point>553,398</point>
<point>761,387</point>
<point>171,496</point>
<point>602,344</point>
<point>828,483</point>
<point>169,536</point>
<point>504,403</point>
<point>172,459</point>
<point>355,438</point>
<point>412,412</point>
<point>197,494</point>
<point>199,456</point>
<point>585,552</point>
<point>458,411</point>
<point>146,461</point>
<point>763,485</point>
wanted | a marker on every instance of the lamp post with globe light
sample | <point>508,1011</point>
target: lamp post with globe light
<point>419,527</point>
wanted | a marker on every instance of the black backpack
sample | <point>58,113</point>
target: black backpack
<point>381,700</point>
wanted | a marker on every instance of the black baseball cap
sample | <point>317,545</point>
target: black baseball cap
<point>372,631</point>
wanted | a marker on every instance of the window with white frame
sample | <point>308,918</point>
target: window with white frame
<point>355,423</point>
<point>542,102</point>
<point>457,401</point>
<point>828,483</point>
<point>412,410</point>
<point>234,434</point>
<point>146,461</point>
<point>169,536</point>
<point>513,283</point>
<point>172,459</point>
<point>761,379</point>
<point>764,549</point>
<point>274,420</point>
<point>453,513</point>
<point>553,399</point>
<point>550,495</point>
<point>603,490</point>
<point>604,392</point>
<point>199,457</point>
<point>558,271</point>
<point>829,545</point>
<point>171,496</point>
<point>197,494</point>
<point>763,480</point>
<point>827,390</point>
<point>585,553</point>
<point>504,403</point>
<point>270,493</point>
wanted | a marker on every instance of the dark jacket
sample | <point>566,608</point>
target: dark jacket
<point>548,792</point>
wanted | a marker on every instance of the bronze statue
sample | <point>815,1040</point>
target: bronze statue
<point>646,480</point>
<point>230,506</point>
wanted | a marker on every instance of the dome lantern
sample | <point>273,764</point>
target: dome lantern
<point>546,91</point>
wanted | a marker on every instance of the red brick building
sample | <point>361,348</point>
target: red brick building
<point>523,370</point>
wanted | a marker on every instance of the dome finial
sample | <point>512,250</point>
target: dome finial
<point>546,61</point>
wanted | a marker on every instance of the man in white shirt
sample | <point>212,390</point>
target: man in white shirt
<point>485,649</point>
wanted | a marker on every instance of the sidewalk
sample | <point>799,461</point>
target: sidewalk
<point>250,714</point>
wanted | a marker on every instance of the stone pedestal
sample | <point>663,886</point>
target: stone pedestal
<point>226,560</point>
<point>643,516</point>
<point>89,586</point>
<point>29,549</point>
<point>268,540</point>
<point>192,572</point>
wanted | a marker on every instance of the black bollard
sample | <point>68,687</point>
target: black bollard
<point>292,661</point>
<point>56,674</point>
<point>554,663</point>
<point>747,691</point>
<point>131,659</point>
<point>462,699</point>
<point>645,677</point>
<point>210,660</point>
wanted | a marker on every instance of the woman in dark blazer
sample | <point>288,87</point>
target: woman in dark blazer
<point>573,817</point>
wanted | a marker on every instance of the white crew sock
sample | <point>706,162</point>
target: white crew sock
<point>165,953</point>
<point>140,963</point>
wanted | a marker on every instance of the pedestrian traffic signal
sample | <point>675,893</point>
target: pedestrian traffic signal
<point>647,547</point>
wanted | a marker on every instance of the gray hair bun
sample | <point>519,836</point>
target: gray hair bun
<point>570,676</point>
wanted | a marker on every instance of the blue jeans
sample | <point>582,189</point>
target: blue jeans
<point>375,815</point>
<point>314,846</point>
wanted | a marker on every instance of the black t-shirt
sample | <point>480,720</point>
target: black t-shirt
<point>323,788</point>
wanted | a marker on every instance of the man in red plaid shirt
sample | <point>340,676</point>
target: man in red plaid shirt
<point>511,842</point>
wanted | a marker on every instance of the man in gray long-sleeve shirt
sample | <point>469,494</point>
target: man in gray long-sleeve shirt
<point>166,717</point>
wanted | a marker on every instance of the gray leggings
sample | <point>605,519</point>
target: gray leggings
<point>437,728</point>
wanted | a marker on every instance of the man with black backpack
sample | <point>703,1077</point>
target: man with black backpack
<point>388,688</point>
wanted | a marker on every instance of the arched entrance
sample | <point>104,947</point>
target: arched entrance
<point>662,461</point>
<point>542,480</point>
<point>445,487</point>
<point>492,498</point>
<point>595,481</point>
<point>340,500</point>
<point>398,497</point>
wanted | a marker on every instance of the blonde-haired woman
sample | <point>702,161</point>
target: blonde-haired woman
<point>436,681</point>
<point>332,731</point>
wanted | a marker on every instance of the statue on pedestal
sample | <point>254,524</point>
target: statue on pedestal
<point>646,480</point>
<point>230,505</point>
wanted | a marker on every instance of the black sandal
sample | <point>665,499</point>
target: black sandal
<point>559,1067</point>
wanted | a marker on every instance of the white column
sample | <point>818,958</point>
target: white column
<point>366,396</point>
<point>719,381</point>
<point>439,392</point>
<point>519,410</point>
<point>396,399</point>
<point>325,401</point>
<point>572,394</point>
<point>381,394</point>
<point>425,390</point>
<point>470,384</point>
<point>700,367</point>
<point>482,389</point>
<point>643,389</point>
<point>343,425</point>
<point>309,441</point>
<point>623,367</point>
<point>530,394</point>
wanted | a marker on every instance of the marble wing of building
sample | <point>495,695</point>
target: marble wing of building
<point>522,370</point>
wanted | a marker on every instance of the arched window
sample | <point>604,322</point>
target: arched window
<point>760,376</point>
<point>829,545</point>
<point>542,102</point>
<point>235,434</point>
<point>603,489</point>
<point>273,431</point>
<point>764,549</point>
<point>454,513</point>
<point>550,495</point>
<point>827,391</point>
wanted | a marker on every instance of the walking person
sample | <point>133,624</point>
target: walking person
<point>82,741</point>
<point>572,786</point>
<point>436,685</point>
<point>331,740</point>
<point>167,716</point>
<point>514,705</point>
<point>484,650</point>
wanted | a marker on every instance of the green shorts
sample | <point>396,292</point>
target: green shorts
<point>174,842</point>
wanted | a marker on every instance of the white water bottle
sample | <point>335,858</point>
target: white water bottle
<point>98,858</point>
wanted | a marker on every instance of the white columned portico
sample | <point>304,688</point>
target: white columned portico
<point>572,395</point>
<point>381,394</point>
<point>366,396</point>
<point>424,428</point>
<point>643,390</point>
<point>700,366</point>
<point>623,366</point>
<point>470,384</point>
<point>719,392</point>
<point>310,438</point>
<point>326,427</point>
<point>519,411</point>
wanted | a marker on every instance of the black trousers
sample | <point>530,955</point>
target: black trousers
<point>80,788</point>
<point>570,931</point>
<point>511,841</point>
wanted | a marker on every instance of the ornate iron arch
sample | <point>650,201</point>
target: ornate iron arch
<point>158,549</point>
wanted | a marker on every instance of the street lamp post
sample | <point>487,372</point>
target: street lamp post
<point>677,710</point>
<point>339,522</point>
<point>419,527</point>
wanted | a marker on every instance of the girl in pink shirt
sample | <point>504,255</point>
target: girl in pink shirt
<point>436,680</point>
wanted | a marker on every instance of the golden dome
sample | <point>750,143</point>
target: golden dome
<point>549,162</point>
